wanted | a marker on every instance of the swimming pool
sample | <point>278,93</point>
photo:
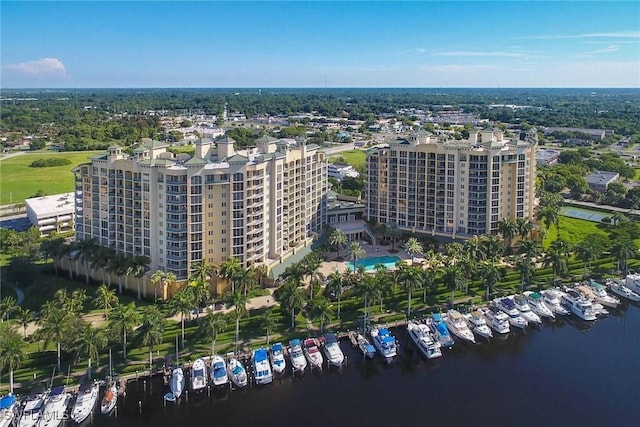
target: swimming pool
<point>369,264</point>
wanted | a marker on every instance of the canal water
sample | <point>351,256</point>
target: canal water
<point>565,373</point>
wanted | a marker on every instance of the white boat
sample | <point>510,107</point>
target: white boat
<point>312,353</point>
<point>578,305</point>
<point>602,296</point>
<point>384,342</point>
<point>589,295</point>
<point>618,287</point>
<point>331,348</point>
<point>457,324</point>
<point>497,319</point>
<point>298,361</point>
<point>110,398</point>
<point>478,324</point>
<point>236,371</point>
<point>553,299</point>
<point>367,349</point>
<point>261,367</point>
<point>176,384</point>
<point>509,308</point>
<point>7,410</point>
<point>440,331</point>
<point>276,355</point>
<point>422,337</point>
<point>525,309</point>
<point>32,410</point>
<point>632,281</point>
<point>55,407</point>
<point>218,371</point>
<point>537,304</point>
<point>198,375</point>
<point>85,402</point>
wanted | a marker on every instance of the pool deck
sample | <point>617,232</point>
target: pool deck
<point>329,267</point>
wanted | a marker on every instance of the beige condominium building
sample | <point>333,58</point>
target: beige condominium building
<point>436,185</point>
<point>258,205</point>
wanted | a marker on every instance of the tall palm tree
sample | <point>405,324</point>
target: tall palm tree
<point>623,249</point>
<point>292,299</point>
<point>355,252</point>
<point>119,264</point>
<point>268,322</point>
<point>12,351</point>
<point>260,271</point>
<point>182,303</point>
<point>475,248</point>
<point>335,285</point>
<point>85,252</point>
<point>200,293</point>
<point>338,239</point>
<point>229,270</point>
<point>310,265</point>
<point>392,230</point>
<point>54,323</point>
<point>410,279</point>
<point>468,267</point>
<point>25,316</point>
<point>413,246</point>
<point>100,260</point>
<point>492,247</point>
<point>549,215</point>
<point>150,332</point>
<point>123,319</point>
<point>295,272</point>
<point>320,309</point>
<point>7,306</point>
<point>366,288</point>
<point>245,281</point>
<point>90,342</point>
<point>508,229</point>
<point>529,248</point>
<point>452,278</point>
<point>105,299</point>
<point>491,275</point>
<point>53,248</point>
<point>137,269</point>
<point>164,279</point>
<point>556,257</point>
<point>524,227</point>
<point>211,325</point>
<point>239,303</point>
<point>525,267</point>
<point>202,270</point>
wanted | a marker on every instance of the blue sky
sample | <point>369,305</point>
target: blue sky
<point>318,44</point>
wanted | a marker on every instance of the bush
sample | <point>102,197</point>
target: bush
<point>51,162</point>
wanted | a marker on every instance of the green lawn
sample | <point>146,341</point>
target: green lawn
<point>355,158</point>
<point>573,230</point>
<point>637,177</point>
<point>19,182</point>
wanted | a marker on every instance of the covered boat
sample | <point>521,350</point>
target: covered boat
<point>384,342</point>
<point>261,367</point>
<point>219,371</point>
<point>277,358</point>
<point>7,410</point>
<point>198,375</point>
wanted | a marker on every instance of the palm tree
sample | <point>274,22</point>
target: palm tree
<point>7,306</point>
<point>468,268</point>
<point>337,239</point>
<point>202,270</point>
<point>268,322</point>
<point>320,309</point>
<point>25,316</point>
<point>491,275</point>
<point>239,302</point>
<point>182,303</point>
<point>623,248</point>
<point>53,248</point>
<point>529,248</point>
<point>105,299</point>
<point>366,288</point>
<point>292,299</point>
<point>413,246</point>
<point>151,330</point>
<point>199,291</point>
<point>54,323</point>
<point>123,319</point>
<point>526,267</point>
<point>245,280</point>
<point>261,271</point>
<point>524,227</point>
<point>11,351</point>
<point>310,266</point>
<point>211,325</point>
<point>137,269</point>
<point>86,250</point>
<point>474,248</point>
<point>335,284</point>
<point>392,230</point>
<point>452,278</point>
<point>355,252</point>
<point>119,264</point>
<point>557,257</point>
<point>229,270</point>
<point>295,272</point>
<point>90,342</point>
<point>492,247</point>
<point>508,229</point>
<point>549,215</point>
<point>100,260</point>
<point>156,279</point>
<point>410,279</point>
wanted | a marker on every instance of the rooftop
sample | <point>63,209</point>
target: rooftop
<point>55,204</point>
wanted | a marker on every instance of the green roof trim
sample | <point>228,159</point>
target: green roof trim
<point>278,269</point>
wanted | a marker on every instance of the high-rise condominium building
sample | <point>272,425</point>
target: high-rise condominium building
<point>437,185</point>
<point>257,205</point>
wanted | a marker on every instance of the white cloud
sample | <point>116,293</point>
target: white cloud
<point>480,53</point>
<point>615,34</point>
<point>38,68</point>
<point>608,49</point>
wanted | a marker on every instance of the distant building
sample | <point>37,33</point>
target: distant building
<point>576,142</point>
<point>600,180</point>
<point>52,213</point>
<point>547,157</point>
<point>596,133</point>
<point>340,171</point>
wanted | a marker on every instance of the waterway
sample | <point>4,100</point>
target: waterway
<point>564,373</point>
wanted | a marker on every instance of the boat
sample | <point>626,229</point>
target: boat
<point>365,346</point>
<point>578,305</point>
<point>110,398</point>
<point>176,384</point>
<point>552,299</point>
<point>525,309</point>
<point>423,338</point>
<point>602,296</point>
<point>198,375</point>
<point>55,407</point>
<point>589,295</point>
<point>497,319</point>
<point>618,287</point>
<point>85,401</point>
<point>509,308</point>
<point>536,302</point>
<point>384,342</point>
<point>478,324</point>
<point>298,361</point>
<point>7,410</point>
<point>236,371</point>
<point>31,411</point>
<point>312,353</point>
<point>632,281</point>
<point>331,348</point>
<point>218,371</point>
<point>261,367</point>
<point>439,329</point>
<point>457,324</point>
<point>277,358</point>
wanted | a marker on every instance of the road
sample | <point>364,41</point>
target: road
<point>339,149</point>
<point>10,155</point>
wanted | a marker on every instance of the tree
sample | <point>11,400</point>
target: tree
<point>529,248</point>
<point>25,316</point>
<point>338,239</point>
<point>508,229</point>
<point>261,271</point>
<point>123,319</point>
<point>54,323</point>
<point>119,264</point>
<point>245,280</point>
<point>526,268</point>
<point>557,257</point>
<point>12,351</point>
<point>295,272</point>
<point>335,286</point>
<point>320,309</point>
<point>230,269</point>
<point>413,246</point>
<point>239,303</point>
<point>199,291</point>
<point>105,299</point>
<point>452,279</point>
<point>182,303</point>
<point>310,265</point>
<point>393,231</point>
<point>491,275</point>
<point>410,279</point>
<point>137,269</point>
<point>54,248</point>
<point>268,322</point>
<point>623,249</point>
<point>549,216</point>
<point>100,260</point>
<point>366,289</point>
<point>492,247</point>
<point>203,271</point>
<point>85,251</point>
<point>211,325</point>
<point>355,252</point>
<point>524,227</point>
<point>164,279</point>
<point>7,306</point>
<point>150,332</point>
<point>292,299</point>
<point>89,343</point>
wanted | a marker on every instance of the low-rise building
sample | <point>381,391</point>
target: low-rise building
<point>600,180</point>
<point>347,214</point>
<point>52,213</point>
<point>340,171</point>
<point>547,157</point>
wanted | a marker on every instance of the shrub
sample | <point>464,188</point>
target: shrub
<point>51,162</point>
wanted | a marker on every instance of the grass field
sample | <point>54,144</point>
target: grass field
<point>573,230</point>
<point>19,182</point>
<point>637,177</point>
<point>355,158</point>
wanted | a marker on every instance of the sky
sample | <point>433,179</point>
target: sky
<point>238,44</point>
